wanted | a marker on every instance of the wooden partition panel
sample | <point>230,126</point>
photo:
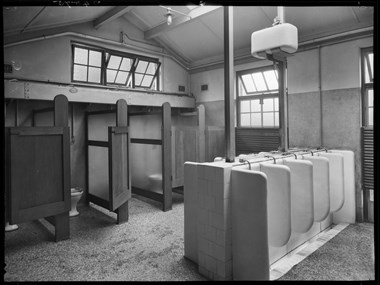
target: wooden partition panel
<point>38,171</point>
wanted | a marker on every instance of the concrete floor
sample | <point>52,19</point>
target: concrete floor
<point>150,247</point>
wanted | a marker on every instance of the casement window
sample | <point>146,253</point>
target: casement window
<point>106,67</point>
<point>257,98</point>
<point>367,87</point>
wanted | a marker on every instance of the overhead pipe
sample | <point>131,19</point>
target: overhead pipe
<point>33,19</point>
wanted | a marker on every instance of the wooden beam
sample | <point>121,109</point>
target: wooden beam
<point>111,15</point>
<point>178,20</point>
<point>229,114</point>
<point>102,95</point>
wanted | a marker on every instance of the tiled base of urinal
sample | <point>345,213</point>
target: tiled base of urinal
<point>282,266</point>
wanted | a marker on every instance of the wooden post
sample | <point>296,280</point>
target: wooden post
<point>201,130</point>
<point>166,157</point>
<point>229,114</point>
<point>122,121</point>
<point>61,119</point>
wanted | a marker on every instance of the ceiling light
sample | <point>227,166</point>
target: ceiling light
<point>169,16</point>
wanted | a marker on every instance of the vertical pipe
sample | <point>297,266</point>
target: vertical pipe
<point>320,93</point>
<point>229,113</point>
<point>283,106</point>
<point>280,14</point>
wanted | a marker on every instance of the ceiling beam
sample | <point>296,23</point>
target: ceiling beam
<point>197,12</point>
<point>111,15</point>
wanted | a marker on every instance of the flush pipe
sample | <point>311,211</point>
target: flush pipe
<point>75,34</point>
<point>283,155</point>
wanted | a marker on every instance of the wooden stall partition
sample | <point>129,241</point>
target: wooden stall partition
<point>38,171</point>
<point>214,142</point>
<point>115,174</point>
<point>166,152</point>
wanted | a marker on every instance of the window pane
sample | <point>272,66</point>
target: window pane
<point>80,55</point>
<point>138,78</point>
<point>114,62</point>
<point>259,81</point>
<point>126,64</point>
<point>244,106</point>
<point>268,119</point>
<point>111,75</point>
<point>268,105</point>
<point>370,116</point>
<point>256,120</point>
<point>95,58</point>
<point>271,79</point>
<point>370,97</point>
<point>141,66</point>
<point>147,81</point>
<point>255,105</point>
<point>121,77</point>
<point>245,120</point>
<point>276,104</point>
<point>151,68</point>
<point>276,119</point>
<point>94,74</point>
<point>248,82</point>
<point>80,72</point>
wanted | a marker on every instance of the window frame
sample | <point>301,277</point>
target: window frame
<point>366,86</point>
<point>103,74</point>
<point>261,95</point>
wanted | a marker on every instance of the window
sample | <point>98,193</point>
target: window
<point>87,65</point>
<point>257,98</point>
<point>367,87</point>
<point>108,67</point>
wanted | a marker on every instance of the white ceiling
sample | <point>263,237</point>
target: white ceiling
<point>200,37</point>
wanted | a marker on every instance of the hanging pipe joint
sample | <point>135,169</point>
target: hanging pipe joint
<point>242,160</point>
<point>269,156</point>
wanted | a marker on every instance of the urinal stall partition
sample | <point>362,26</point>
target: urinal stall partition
<point>37,172</point>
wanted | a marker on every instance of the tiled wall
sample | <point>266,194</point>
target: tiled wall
<point>212,247</point>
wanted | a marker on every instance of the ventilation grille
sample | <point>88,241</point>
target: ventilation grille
<point>367,158</point>
<point>8,68</point>
<point>204,87</point>
<point>256,140</point>
<point>181,88</point>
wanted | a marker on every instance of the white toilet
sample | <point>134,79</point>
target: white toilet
<point>155,182</point>
<point>76,193</point>
<point>9,227</point>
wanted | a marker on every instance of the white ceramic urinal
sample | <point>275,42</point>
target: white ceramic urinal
<point>347,214</point>
<point>302,200</point>
<point>279,203</point>
<point>336,174</point>
<point>321,187</point>
<point>249,225</point>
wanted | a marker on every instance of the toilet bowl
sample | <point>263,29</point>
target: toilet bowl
<point>9,227</point>
<point>155,182</point>
<point>76,193</point>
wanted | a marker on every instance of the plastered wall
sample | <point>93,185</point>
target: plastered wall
<point>50,60</point>
<point>324,104</point>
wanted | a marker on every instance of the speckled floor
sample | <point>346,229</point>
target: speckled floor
<point>147,248</point>
<point>150,248</point>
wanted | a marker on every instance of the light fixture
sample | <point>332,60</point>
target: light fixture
<point>17,65</point>
<point>169,16</point>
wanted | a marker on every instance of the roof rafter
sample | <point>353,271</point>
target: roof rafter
<point>111,15</point>
<point>197,12</point>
